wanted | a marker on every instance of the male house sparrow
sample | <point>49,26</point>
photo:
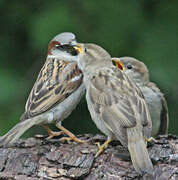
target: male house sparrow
<point>56,92</point>
<point>155,100</point>
<point>116,104</point>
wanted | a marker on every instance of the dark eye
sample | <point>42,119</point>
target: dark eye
<point>129,66</point>
<point>85,49</point>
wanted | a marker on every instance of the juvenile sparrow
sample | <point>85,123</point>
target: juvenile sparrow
<point>116,104</point>
<point>56,92</point>
<point>154,98</point>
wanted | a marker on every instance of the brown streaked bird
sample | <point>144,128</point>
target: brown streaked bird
<point>154,98</point>
<point>56,92</point>
<point>116,104</point>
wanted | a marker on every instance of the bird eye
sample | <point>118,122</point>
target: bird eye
<point>129,66</point>
<point>85,49</point>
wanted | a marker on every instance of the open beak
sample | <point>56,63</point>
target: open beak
<point>118,64</point>
<point>78,48</point>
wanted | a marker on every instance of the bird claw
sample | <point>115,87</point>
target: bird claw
<point>102,147</point>
<point>54,134</point>
<point>69,139</point>
<point>98,144</point>
<point>51,133</point>
<point>151,139</point>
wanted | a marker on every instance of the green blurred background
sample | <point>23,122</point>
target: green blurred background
<point>147,30</point>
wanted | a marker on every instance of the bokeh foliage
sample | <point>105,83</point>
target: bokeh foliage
<point>139,28</point>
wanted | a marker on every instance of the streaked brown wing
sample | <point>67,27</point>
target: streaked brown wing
<point>56,81</point>
<point>116,99</point>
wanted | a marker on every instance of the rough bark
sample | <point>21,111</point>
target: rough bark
<point>38,158</point>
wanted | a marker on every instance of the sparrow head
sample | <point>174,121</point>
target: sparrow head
<point>91,55</point>
<point>134,68</point>
<point>61,46</point>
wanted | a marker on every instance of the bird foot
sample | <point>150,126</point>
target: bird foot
<point>54,134</point>
<point>51,133</point>
<point>102,147</point>
<point>151,139</point>
<point>69,139</point>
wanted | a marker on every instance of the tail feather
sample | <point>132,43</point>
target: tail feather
<point>138,151</point>
<point>17,131</point>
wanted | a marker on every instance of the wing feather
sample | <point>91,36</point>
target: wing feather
<point>117,100</point>
<point>56,81</point>
<point>164,112</point>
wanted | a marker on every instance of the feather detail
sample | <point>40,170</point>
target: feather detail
<point>56,81</point>
<point>138,152</point>
<point>116,100</point>
<point>164,117</point>
<point>120,107</point>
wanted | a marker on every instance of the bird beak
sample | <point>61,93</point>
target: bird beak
<point>118,64</point>
<point>78,48</point>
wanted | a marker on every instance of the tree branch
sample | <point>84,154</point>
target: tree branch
<point>38,158</point>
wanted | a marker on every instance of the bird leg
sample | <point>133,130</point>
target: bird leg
<point>103,146</point>
<point>71,135</point>
<point>51,133</point>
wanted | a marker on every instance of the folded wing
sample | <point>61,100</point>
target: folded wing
<point>56,81</point>
<point>118,101</point>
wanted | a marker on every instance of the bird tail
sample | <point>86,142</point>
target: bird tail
<point>17,131</point>
<point>138,151</point>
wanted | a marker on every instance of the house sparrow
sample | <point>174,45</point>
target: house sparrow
<point>116,104</point>
<point>56,92</point>
<point>154,98</point>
